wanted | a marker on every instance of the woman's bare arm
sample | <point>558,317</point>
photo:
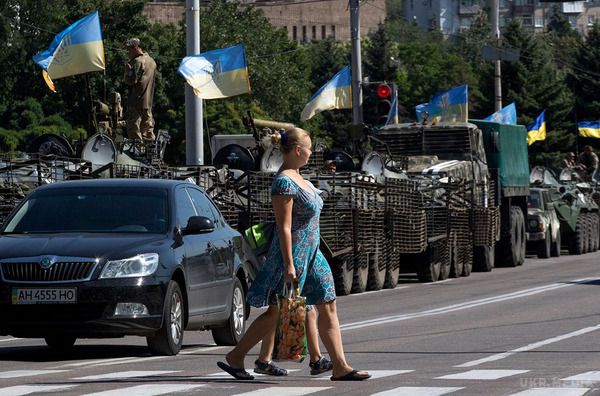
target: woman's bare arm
<point>282,205</point>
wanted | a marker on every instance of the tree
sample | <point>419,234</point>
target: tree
<point>584,77</point>
<point>536,84</point>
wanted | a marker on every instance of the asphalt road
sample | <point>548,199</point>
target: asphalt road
<point>531,330</point>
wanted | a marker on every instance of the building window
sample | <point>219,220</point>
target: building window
<point>527,20</point>
<point>295,33</point>
<point>539,21</point>
<point>333,31</point>
<point>572,20</point>
<point>323,31</point>
<point>314,32</point>
<point>591,20</point>
<point>304,38</point>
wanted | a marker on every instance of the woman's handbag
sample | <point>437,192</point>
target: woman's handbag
<point>290,335</point>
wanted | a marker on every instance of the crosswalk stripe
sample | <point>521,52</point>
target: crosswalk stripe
<point>20,390</point>
<point>418,391</point>
<point>27,373</point>
<point>222,374</point>
<point>124,374</point>
<point>148,390</point>
<point>587,378</point>
<point>482,374</point>
<point>287,391</point>
<point>374,374</point>
<point>552,392</point>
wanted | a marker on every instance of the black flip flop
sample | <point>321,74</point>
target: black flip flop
<point>237,373</point>
<point>351,376</point>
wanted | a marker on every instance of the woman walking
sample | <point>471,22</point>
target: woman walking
<point>294,256</point>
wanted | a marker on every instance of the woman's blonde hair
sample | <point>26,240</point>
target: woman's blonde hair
<point>289,139</point>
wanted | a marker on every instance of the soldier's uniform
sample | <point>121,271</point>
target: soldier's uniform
<point>140,80</point>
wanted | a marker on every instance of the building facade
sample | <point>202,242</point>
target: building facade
<point>452,16</point>
<point>304,20</point>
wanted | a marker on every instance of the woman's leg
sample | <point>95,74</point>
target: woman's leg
<point>329,330</point>
<point>312,336</point>
<point>266,346</point>
<point>265,322</point>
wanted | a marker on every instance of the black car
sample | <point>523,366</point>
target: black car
<point>115,257</point>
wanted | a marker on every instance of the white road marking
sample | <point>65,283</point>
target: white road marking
<point>124,374</point>
<point>223,374</point>
<point>530,347</point>
<point>587,378</point>
<point>10,339</point>
<point>465,305</point>
<point>287,391</point>
<point>374,374</point>
<point>483,374</point>
<point>418,391</point>
<point>29,389</point>
<point>553,392</point>
<point>148,390</point>
<point>201,349</point>
<point>94,362</point>
<point>27,373</point>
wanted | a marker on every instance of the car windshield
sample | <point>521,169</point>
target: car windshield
<point>92,209</point>
<point>534,200</point>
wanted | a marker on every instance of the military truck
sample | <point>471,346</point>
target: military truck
<point>479,174</point>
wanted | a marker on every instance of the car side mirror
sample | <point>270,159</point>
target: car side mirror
<point>198,225</point>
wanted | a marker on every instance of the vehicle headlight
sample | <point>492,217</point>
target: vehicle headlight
<point>533,224</point>
<point>140,265</point>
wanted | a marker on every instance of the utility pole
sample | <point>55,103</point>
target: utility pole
<point>497,68</point>
<point>194,136</point>
<point>357,113</point>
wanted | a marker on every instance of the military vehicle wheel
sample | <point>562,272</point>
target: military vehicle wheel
<point>392,273</point>
<point>510,245</point>
<point>456,264</point>
<point>377,270</point>
<point>595,231</point>
<point>576,239</point>
<point>60,343</point>
<point>484,258</point>
<point>586,233</point>
<point>444,262</point>
<point>544,247</point>
<point>428,266</point>
<point>169,338</point>
<point>555,250</point>
<point>343,274</point>
<point>361,273</point>
<point>592,236</point>
<point>467,260</point>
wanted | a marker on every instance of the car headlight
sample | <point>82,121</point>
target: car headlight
<point>533,224</point>
<point>140,265</point>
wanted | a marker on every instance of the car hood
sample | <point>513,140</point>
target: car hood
<point>79,245</point>
<point>534,212</point>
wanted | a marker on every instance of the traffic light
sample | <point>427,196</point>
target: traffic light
<point>384,104</point>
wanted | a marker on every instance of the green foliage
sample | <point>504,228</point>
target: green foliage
<point>585,77</point>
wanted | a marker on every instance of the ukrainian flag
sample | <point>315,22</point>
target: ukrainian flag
<point>506,115</point>
<point>589,129</point>
<point>392,117</point>
<point>537,130</point>
<point>446,106</point>
<point>77,49</point>
<point>217,74</point>
<point>335,94</point>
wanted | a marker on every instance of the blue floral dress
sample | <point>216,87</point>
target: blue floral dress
<point>312,270</point>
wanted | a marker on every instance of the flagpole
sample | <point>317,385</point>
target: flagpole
<point>357,113</point>
<point>194,136</point>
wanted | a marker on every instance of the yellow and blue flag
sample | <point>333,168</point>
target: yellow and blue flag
<point>446,106</point>
<point>537,130</point>
<point>217,74</point>
<point>335,94</point>
<point>77,49</point>
<point>506,115</point>
<point>392,117</point>
<point>589,129</point>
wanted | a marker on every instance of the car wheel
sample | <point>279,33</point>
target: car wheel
<point>232,332</point>
<point>60,343</point>
<point>545,246</point>
<point>555,251</point>
<point>169,338</point>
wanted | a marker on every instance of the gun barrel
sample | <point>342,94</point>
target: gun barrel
<point>273,124</point>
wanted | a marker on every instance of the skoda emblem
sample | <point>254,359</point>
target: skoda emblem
<point>45,263</point>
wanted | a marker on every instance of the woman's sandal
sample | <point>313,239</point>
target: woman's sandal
<point>237,373</point>
<point>269,368</point>
<point>352,376</point>
<point>320,366</point>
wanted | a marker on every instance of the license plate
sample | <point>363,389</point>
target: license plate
<point>66,295</point>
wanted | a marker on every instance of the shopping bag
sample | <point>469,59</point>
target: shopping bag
<point>290,335</point>
<point>259,237</point>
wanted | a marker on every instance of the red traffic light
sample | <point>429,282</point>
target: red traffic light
<point>384,91</point>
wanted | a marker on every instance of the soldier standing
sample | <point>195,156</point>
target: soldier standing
<point>139,76</point>
<point>589,161</point>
